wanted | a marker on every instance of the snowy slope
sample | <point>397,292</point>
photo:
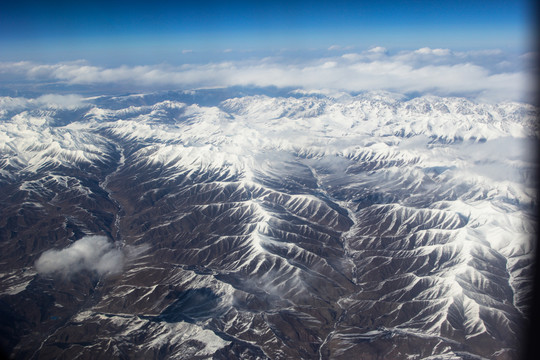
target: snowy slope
<point>307,226</point>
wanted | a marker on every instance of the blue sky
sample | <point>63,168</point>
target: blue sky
<point>114,32</point>
<point>478,49</point>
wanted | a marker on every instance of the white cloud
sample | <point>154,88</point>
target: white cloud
<point>61,101</point>
<point>94,253</point>
<point>377,50</point>
<point>475,74</point>
<point>429,51</point>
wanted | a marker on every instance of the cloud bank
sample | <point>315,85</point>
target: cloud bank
<point>93,253</point>
<point>489,75</point>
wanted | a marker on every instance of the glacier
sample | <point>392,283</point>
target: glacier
<point>253,226</point>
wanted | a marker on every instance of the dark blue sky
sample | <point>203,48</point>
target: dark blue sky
<point>154,31</point>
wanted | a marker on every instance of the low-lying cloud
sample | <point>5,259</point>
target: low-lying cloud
<point>68,101</point>
<point>485,75</point>
<point>93,253</point>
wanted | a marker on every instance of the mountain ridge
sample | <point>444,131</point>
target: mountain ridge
<point>307,227</point>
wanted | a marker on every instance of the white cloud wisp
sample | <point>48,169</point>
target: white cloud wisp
<point>93,253</point>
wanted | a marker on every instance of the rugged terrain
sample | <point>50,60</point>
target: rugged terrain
<point>193,225</point>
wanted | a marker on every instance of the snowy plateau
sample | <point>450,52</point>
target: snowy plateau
<point>216,224</point>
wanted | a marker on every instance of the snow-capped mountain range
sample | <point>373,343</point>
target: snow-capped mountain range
<point>304,226</point>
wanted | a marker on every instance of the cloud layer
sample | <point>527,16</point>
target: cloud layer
<point>485,75</point>
<point>93,253</point>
